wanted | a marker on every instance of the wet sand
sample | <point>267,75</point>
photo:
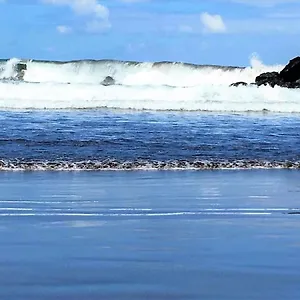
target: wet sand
<point>150,235</point>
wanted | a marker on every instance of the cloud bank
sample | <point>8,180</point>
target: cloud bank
<point>97,14</point>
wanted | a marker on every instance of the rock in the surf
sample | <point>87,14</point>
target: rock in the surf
<point>289,77</point>
<point>274,78</point>
<point>269,78</point>
<point>20,69</point>
<point>242,83</point>
<point>291,71</point>
<point>108,80</point>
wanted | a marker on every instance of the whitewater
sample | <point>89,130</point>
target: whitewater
<point>155,86</point>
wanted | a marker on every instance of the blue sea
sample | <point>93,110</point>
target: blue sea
<point>153,188</point>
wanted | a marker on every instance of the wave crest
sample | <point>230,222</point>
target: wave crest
<point>176,74</point>
<point>141,86</point>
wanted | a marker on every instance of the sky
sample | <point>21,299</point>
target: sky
<point>223,32</point>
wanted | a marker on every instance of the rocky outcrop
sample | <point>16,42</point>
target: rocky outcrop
<point>269,78</point>
<point>108,80</point>
<point>289,77</point>
<point>291,71</point>
<point>242,83</point>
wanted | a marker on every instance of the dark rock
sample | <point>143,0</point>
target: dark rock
<point>269,78</point>
<point>291,71</point>
<point>291,85</point>
<point>20,69</point>
<point>289,77</point>
<point>108,80</point>
<point>239,83</point>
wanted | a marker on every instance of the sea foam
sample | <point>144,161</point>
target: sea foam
<point>142,85</point>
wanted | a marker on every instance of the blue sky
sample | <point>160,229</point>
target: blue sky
<point>223,32</point>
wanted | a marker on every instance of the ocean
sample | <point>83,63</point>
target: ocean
<point>168,184</point>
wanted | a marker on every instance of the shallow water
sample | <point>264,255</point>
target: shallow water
<point>102,139</point>
<point>150,235</point>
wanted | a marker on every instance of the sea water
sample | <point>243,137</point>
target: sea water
<point>124,140</point>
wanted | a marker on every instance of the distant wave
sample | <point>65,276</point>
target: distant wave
<point>133,73</point>
<point>112,164</point>
<point>123,62</point>
<point>141,86</point>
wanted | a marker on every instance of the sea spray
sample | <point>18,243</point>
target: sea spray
<point>142,86</point>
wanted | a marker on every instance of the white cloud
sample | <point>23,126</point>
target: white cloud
<point>63,29</point>
<point>98,12</point>
<point>83,7</point>
<point>212,23</point>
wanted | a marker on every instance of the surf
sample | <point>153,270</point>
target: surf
<point>156,86</point>
<point>134,73</point>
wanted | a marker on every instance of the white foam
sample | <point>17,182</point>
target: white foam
<point>177,75</point>
<point>204,98</point>
<point>8,70</point>
<point>143,86</point>
<point>15,209</point>
<point>137,74</point>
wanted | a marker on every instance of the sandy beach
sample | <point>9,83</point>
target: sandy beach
<point>150,235</point>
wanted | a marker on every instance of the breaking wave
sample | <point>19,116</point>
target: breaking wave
<point>173,74</point>
<point>116,165</point>
<point>141,86</point>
